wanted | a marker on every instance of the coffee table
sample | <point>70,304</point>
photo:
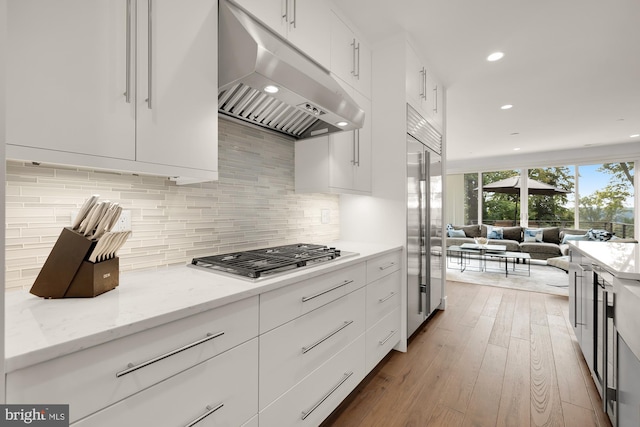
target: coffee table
<point>465,254</point>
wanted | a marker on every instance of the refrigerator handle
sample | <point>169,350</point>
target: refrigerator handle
<point>420,232</point>
<point>424,230</point>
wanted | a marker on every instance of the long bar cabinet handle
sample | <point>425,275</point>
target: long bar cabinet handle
<point>133,368</point>
<point>353,154</point>
<point>127,90</point>
<point>149,53</point>
<point>575,299</point>
<point>285,14</point>
<point>391,264</point>
<point>387,338</point>
<point>391,295</point>
<point>210,410</point>
<point>309,411</point>
<point>435,99</point>
<point>294,21</point>
<point>326,337</point>
<point>605,343</point>
<point>346,282</point>
<point>357,133</point>
<point>353,58</point>
<point>358,75</point>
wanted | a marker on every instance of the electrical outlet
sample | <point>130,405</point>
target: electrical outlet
<point>124,222</point>
<point>325,216</point>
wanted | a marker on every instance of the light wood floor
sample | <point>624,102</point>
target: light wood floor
<point>494,357</point>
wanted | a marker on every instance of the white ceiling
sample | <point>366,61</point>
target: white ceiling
<point>571,69</point>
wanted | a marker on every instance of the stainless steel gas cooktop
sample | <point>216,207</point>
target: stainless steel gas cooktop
<point>261,262</point>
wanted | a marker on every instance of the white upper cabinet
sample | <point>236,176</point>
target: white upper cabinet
<point>340,162</point>
<point>79,75</point>
<point>67,73</point>
<point>305,23</point>
<point>424,92</point>
<point>350,57</point>
<point>177,88</point>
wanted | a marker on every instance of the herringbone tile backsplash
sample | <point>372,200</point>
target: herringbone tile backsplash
<point>252,205</point>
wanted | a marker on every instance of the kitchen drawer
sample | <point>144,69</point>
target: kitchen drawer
<point>383,296</point>
<point>287,303</point>
<point>227,383</point>
<point>383,265</point>
<point>320,393</point>
<point>294,350</point>
<point>92,379</point>
<point>381,338</point>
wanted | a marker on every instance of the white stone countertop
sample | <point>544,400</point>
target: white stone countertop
<point>38,329</point>
<point>620,259</point>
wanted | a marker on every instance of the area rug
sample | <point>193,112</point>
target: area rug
<point>544,278</point>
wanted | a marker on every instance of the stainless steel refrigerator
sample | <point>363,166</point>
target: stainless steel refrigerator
<point>424,220</point>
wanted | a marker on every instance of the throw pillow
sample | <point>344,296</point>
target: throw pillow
<point>599,235</point>
<point>456,233</point>
<point>574,237</point>
<point>496,233</point>
<point>551,235</point>
<point>533,235</point>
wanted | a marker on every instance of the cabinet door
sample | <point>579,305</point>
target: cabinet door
<point>350,57</point>
<point>437,91</point>
<point>222,391</point>
<point>343,55</point>
<point>363,70</point>
<point>342,158</point>
<point>177,83</point>
<point>587,321</point>
<point>272,13</point>
<point>415,80</point>
<point>628,386</point>
<point>67,74</point>
<point>362,169</point>
<point>309,29</point>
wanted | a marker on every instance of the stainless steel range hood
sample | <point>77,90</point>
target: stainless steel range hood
<point>308,101</point>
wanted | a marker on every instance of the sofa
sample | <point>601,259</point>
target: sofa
<point>539,243</point>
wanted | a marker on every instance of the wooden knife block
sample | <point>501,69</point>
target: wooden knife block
<point>67,273</point>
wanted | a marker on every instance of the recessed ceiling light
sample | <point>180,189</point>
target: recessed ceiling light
<point>635,135</point>
<point>342,124</point>
<point>506,107</point>
<point>271,89</point>
<point>495,56</point>
<point>516,149</point>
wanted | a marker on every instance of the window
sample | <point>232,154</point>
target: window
<point>606,197</point>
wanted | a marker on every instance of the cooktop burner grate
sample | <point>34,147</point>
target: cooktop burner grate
<point>256,263</point>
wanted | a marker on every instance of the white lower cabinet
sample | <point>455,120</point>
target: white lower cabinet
<point>92,379</point>
<point>628,386</point>
<point>219,392</point>
<point>312,400</point>
<point>381,338</point>
<point>281,305</point>
<point>291,352</point>
<point>287,357</point>
<point>312,357</point>
<point>383,297</point>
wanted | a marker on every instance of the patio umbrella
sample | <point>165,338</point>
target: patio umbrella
<point>512,186</point>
